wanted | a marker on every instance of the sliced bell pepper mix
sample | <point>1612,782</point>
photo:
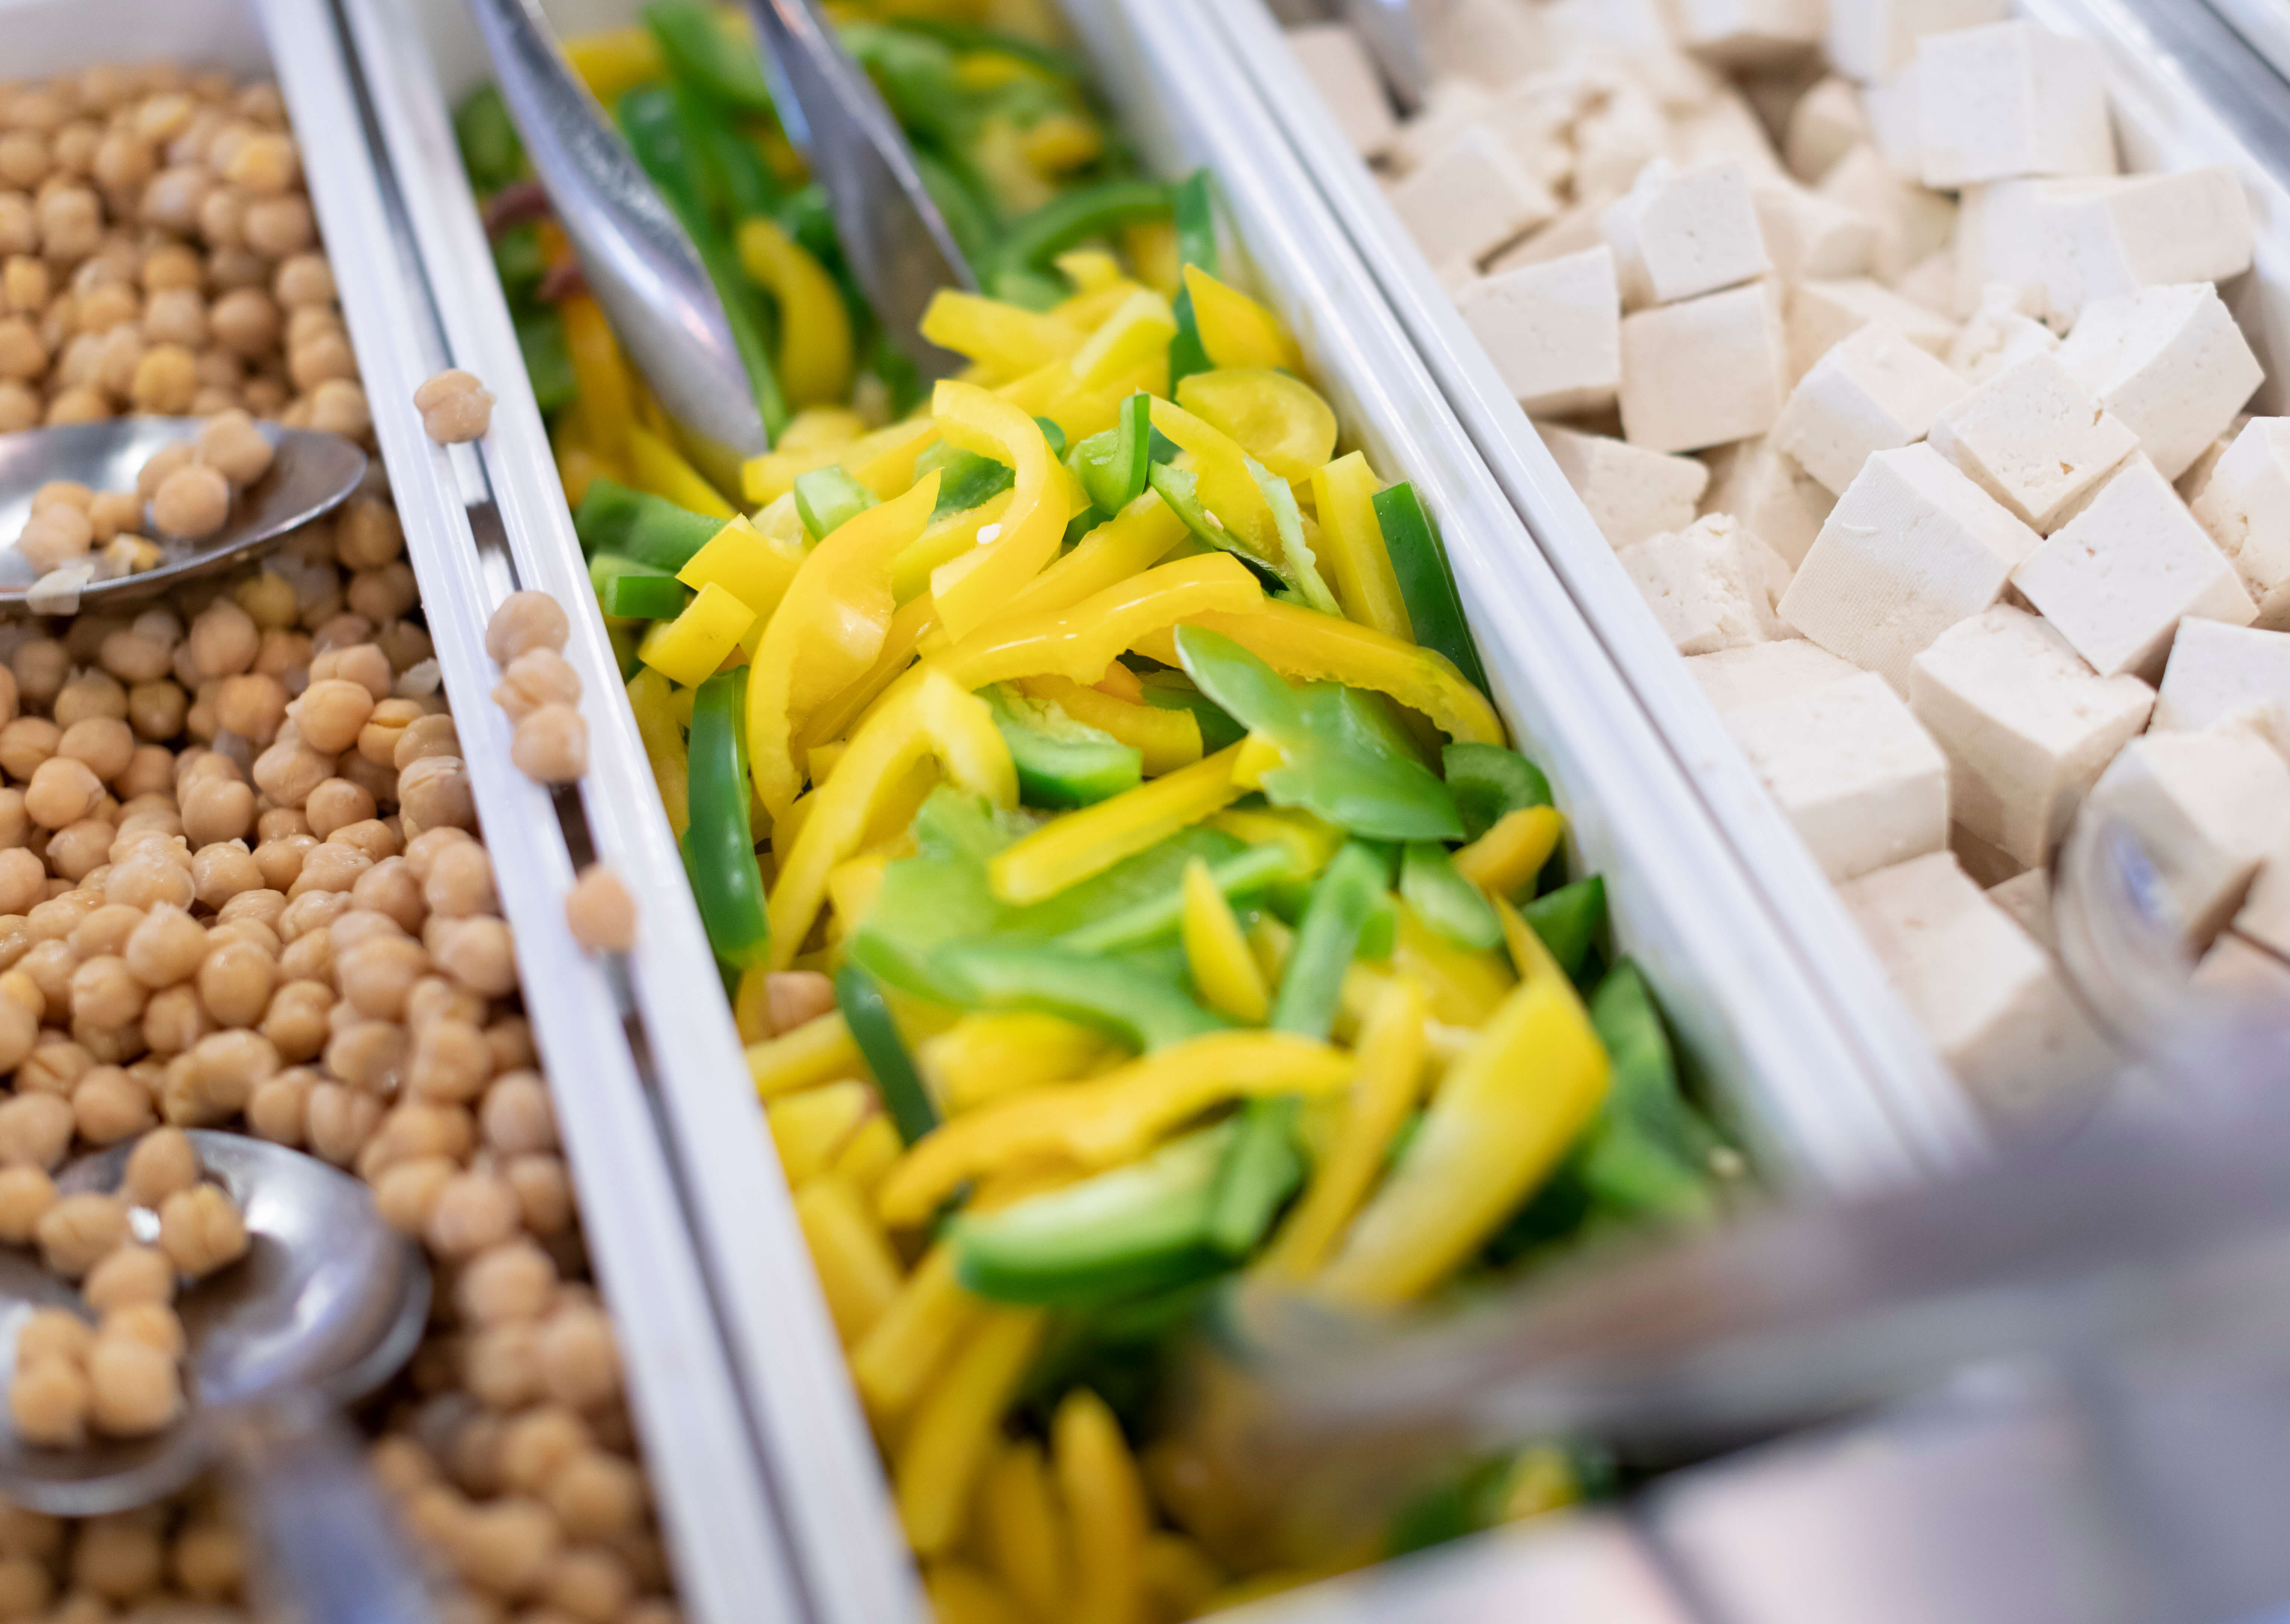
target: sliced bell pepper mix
<point>1124,757</point>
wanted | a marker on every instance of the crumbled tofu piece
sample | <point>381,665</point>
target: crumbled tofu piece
<point>1632,494</point>
<point>2236,968</point>
<point>1874,392</point>
<point>1827,123</point>
<point>1809,236</point>
<point>1759,672</point>
<point>1855,773</point>
<point>1743,32</point>
<point>2209,808</point>
<point>2216,669</point>
<point>2245,507</point>
<point>1874,39</point>
<point>1711,584</point>
<point>1680,232</point>
<point>2118,577</point>
<point>1984,992</point>
<point>2010,98</point>
<point>1781,504</point>
<point>2027,897</point>
<point>2027,727</point>
<point>2002,333</point>
<point>2102,239</point>
<point>2034,439</point>
<point>1492,42</point>
<point>1913,548</point>
<point>1823,315</point>
<point>1705,371</point>
<point>1554,332</point>
<point>1913,222</point>
<point>2169,361</point>
<point>1470,198</point>
<point>1337,63</point>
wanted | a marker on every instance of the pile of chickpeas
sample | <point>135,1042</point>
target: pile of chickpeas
<point>241,885</point>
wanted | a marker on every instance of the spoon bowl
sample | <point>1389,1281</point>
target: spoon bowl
<point>310,475</point>
<point>328,1300</point>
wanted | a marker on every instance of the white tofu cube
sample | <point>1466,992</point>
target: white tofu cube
<point>1616,140</point>
<point>1681,232</point>
<point>1470,198</point>
<point>1913,222</point>
<point>1874,392</point>
<point>1823,315</point>
<point>1724,129</point>
<point>2118,577</point>
<point>1931,283</point>
<point>1576,231</point>
<point>1780,503</point>
<point>1740,32</point>
<point>1535,116</point>
<point>2093,239</point>
<point>1912,548</point>
<point>2196,479</point>
<point>2027,727</point>
<point>1710,585</point>
<point>1758,672</point>
<point>1490,42</point>
<point>1856,774</point>
<point>2169,361</point>
<point>2264,917</point>
<point>1808,235</point>
<point>1450,107</point>
<point>2002,333</point>
<point>2216,670</point>
<point>1337,65</point>
<point>1631,493</point>
<point>2034,439</point>
<point>1554,332</point>
<point>2010,98</point>
<point>1985,993</point>
<point>1987,866</point>
<point>2246,506</point>
<point>2208,807</point>
<point>1874,39</point>
<point>2027,897</point>
<point>1827,123</point>
<point>1704,371</point>
<point>1895,122</point>
<point>2235,968</point>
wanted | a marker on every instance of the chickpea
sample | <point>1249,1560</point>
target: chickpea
<point>26,1589</point>
<point>71,223</point>
<point>341,1121</point>
<point>296,1019</point>
<point>289,770</point>
<point>596,1495</point>
<point>177,316</point>
<point>149,769</point>
<point>377,973</point>
<point>388,888</point>
<point>600,912</point>
<point>209,1560</point>
<point>451,1061</point>
<point>103,744</point>
<point>279,1107</point>
<point>252,705</point>
<point>48,1401</point>
<point>472,1211</point>
<point>330,713</point>
<point>201,1231</point>
<point>23,880</point>
<point>136,1389</point>
<point>76,851</point>
<point>217,810</point>
<point>105,994</point>
<point>501,1365</point>
<point>478,954</point>
<point>507,1546</point>
<point>62,791</point>
<point>550,745</point>
<point>278,226</point>
<point>454,407</point>
<point>525,620</point>
<point>19,407</point>
<point>78,406</point>
<point>35,1131</point>
<point>434,997</point>
<point>536,677</point>
<point>167,947</point>
<point>26,1194</point>
<point>19,1029</point>
<point>245,322</point>
<point>264,165</point>
<point>54,536</point>
<point>174,1019</point>
<point>235,983</point>
<point>147,878</point>
<point>119,1557</point>
<point>510,1284</point>
<point>90,694</point>
<point>163,1163</point>
<point>368,536</point>
<point>591,1584</point>
<point>194,501</point>
<point>270,598</point>
<point>77,1232</point>
<point>544,1192</point>
<point>459,883</point>
<point>384,594</point>
<point>378,740</point>
<point>433,792</point>
<point>165,380</point>
<point>305,279</point>
<point>511,1038</point>
<point>109,1105</point>
<point>105,930</point>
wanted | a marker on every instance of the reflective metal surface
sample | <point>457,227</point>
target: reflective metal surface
<point>329,1300</point>
<point>893,236</point>
<point>639,259</point>
<point>1388,28</point>
<point>310,475</point>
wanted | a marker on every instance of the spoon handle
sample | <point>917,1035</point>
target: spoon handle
<point>898,244</point>
<point>329,1544</point>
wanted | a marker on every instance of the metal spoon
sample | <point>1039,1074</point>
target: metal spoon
<point>310,475</point>
<point>637,259</point>
<point>894,238</point>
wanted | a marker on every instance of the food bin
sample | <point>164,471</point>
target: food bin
<point>2180,99</point>
<point>1765,1037</point>
<point>683,1370</point>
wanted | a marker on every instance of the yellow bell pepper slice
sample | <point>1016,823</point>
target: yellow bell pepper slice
<point>834,719</point>
<point>664,746</point>
<point>809,1129</point>
<point>764,479</point>
<point>1312,840</point>
<point>1106,1504</point>
<point>1351,545</point>
<point>821,428</point>
<point>1066,851</point>
<point>909,1345</point>
<point>990,1053</point>
<point>968,745</point>
<point>1216,952</point>
<point>858,1272</point>
<point>958,1593</point>
<point>1051,392</point>
<point>1227,488</point>
<point>1235,331</point>
<point>1138,330</point>
<point>936,1464</point>
<point>1505,1114</point>
<point>689,648</point>
<point>1088,309</point>
<point>1180,1577</point>
<point>1107,1120</point>
<point>612,62</point>
<point>943,541</point>
<point>605,403</point>
<point>1506,859</point>
<point>1391,1065</point>
<point>815,325</point>
<point>738,560</point>
<point>884,461</point>
<point>1080,642</point>
<point>1307,646</point>
<point>1091,271</point>
<point>1279,419</point>
<point>1060,141</point>
<point>1167,739</point>
<point>869,1156</point>
<point>1129,543</point>
<point>1258,756</point>
<point>1023,1529</point>
<point>1009,340</point>
<point>977,421</point>
<point>828,629</point>
<point>660,468</point>
<point>818,1051</point>
<point>1465,988</point>
<point>1150,245</point>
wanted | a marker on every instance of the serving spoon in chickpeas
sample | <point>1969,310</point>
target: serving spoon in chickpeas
<point>125,508</point>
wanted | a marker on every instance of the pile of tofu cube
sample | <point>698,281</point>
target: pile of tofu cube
<point>1921,428</point>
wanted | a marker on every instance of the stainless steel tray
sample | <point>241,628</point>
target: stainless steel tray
<point>1753,1020</point>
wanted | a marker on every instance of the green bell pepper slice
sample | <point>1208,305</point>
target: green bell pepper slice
<point>1112,464</point>
<point>1444,899</point>
<point>701,54</point>
<point>869,1016</point>
<point>1155,917</point>
<point>1648,1154</point>
<point>1034,239</point>
<point>1196,222</point>
<point>964,478</point>
<point>827,498</point>
<point>1426,581</point>
<point>636,525</point>
<point>491,150</point>
<point>1489,783</point>
<point>1141,1009</point>
<point>1061,763</point>
<point>1261,1170</point>
<point>1568,920</point>
<point>642,595</point>
<point>719,846</point>
<point>1327,940</point>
